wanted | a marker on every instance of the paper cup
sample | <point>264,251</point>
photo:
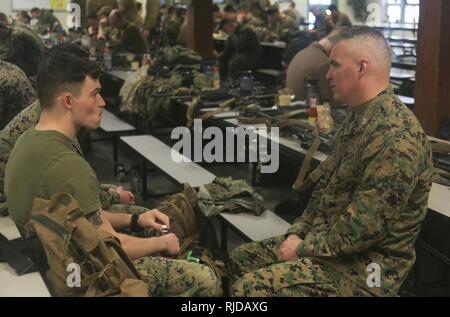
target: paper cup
<point>284,100</point>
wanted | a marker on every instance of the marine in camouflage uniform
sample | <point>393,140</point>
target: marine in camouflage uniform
<point>170,31</point>
<point>242,52</point>
<point>165,277</point>
<point>22,47</point>
<point>151,17</point>
<point>169,277</point>
<point>47,22</point>
<point>366,208</point>
<point>16,92</point>
<point>93,6</point>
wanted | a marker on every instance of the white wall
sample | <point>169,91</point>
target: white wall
<point>6,7</point>
<point>302,7</point>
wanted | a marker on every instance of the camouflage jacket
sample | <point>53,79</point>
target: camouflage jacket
<point>47,22</point>
<point>372,198</point>
<point>229,195</point>
<point>16,92</point>
<point>23,48</point>
<point>26,119</point>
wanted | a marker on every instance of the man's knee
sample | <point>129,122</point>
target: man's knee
<point>206,282</point>
<point>249,286</point>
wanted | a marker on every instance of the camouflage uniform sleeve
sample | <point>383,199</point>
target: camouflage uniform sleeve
<point>302,225</point>
<point>389,176</point>
<point>107,199</point>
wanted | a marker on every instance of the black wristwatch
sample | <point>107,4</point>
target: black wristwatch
<point>134,225</point>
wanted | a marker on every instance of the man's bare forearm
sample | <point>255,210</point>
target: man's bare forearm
<point>118,220</point>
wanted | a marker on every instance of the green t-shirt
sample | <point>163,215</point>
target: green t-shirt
<point>43,163</point>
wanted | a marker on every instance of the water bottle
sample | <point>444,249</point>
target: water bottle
<point>208,71</point>
<point>216,77</point>
<point>107,60</point>
<point>311,91</point>
<point>135,181</point>
<point>246,84</point>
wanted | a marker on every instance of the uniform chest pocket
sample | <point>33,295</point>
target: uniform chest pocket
<point>347,173</point>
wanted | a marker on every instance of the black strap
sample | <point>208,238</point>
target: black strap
<point>19,262</point>
<point>64,234</point>
<point>50,224</point>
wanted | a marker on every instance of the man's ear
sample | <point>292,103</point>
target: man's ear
<point>363,65</point>
<point>67,100</point>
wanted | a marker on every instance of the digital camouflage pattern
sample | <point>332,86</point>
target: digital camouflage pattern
<point>23,48</point>
<point>26,119</point>
<point>169,277</point>
<point>47,22</point>
<point>242,52</point>
<point>230,195</point>
<point>170,31</point>
<point>367,207</point>
<point>16,92</point>
<point>150,95</point>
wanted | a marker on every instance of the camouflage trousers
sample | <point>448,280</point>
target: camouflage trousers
<point>170,277</point>
<point>256,272</point>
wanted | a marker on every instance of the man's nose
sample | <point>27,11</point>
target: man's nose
<point>102,102</point>
<point>329,75</point>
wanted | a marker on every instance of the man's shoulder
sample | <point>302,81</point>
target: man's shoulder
<point>315,52</point>
<point>11,72</point>
<point>396,124</point>
<point>22,122</point>
<point>45,143</point>
<point>131,27</point>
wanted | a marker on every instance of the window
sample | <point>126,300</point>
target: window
<point>321,4</point>
<point>403,11</point>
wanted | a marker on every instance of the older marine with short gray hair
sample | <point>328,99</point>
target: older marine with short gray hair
<point>356,236</point>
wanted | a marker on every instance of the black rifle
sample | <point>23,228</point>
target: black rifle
<point>303,131</point>
<point>23,255</point>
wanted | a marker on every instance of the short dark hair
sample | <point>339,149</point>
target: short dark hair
<point>225,22</point>
<point>3,16</point>
<point>332,7</point>
<point>229,8</point>
<point>64,68</point>
<point>105,11</point>
<point>35,9</point>
<point>171,10</point>
<point>25,15</point>
<point>272,11</point>
<point>25,49</point>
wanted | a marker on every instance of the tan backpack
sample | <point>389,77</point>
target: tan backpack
<point>69,238</point>
<point>194,230</point>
